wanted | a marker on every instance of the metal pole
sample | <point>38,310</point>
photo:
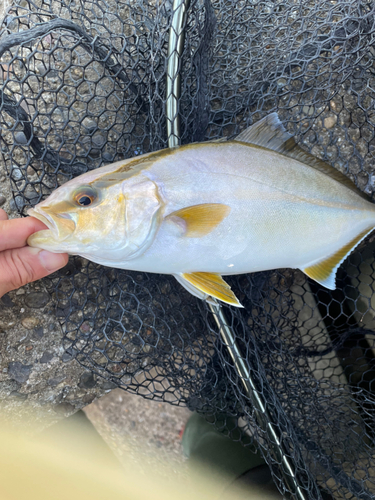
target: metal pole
<point>175,48</point>
<point>264,420</point>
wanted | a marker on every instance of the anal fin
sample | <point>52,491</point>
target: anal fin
<point>324,272</point>
<point>206,285</point>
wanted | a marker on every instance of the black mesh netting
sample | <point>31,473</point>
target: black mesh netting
<point>83,83</point>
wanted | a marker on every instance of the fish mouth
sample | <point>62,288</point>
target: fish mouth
<point>60,227</point>
<point>43,218</point>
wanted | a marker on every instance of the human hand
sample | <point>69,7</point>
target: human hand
<point>19,263</point>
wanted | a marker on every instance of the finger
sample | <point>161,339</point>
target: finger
<point>14,233</point>
<point>3,214</point>
<point>23,265</point>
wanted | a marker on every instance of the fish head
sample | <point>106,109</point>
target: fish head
<point>105,218</point>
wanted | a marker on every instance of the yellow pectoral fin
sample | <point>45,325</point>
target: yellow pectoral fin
<point>324,272</point>
<point>213,285</point>
<point>199,220</point>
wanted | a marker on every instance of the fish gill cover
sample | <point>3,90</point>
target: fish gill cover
<point>83,84</point>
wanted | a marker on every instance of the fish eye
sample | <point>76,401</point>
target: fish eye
<point>85,197</point>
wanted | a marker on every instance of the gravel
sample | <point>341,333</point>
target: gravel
<point>46,357</point>
<point>37,300</point>
<point>6,301</point>
<point>20,138</point>
<point>19,372</point>
<point>87,381</point>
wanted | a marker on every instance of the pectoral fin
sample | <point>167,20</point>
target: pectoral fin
<point>199,220</point>
<point>324,272</point>
<point>206,285</point>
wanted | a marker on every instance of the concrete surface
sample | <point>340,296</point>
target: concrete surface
<point>133,426</point>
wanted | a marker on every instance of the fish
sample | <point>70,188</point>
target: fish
<point>206,210</point>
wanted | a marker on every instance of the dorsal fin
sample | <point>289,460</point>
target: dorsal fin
<point>270,133</point>
<point>221,139</point>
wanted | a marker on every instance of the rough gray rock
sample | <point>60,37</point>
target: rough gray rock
<point>87,381</point>
<point>67,356</point>
<point>98,139</point>
<point>19,372</point>
<point>19,395</point>
<point>37,299</point>
<point>20,138</point>
<point>16,173</point>
<point>38,332</point>
<point>107,157</point>
<point>53,382</point>
<point>46,358</point>
<point>89,124</point>
<point>30,322</point>
<point>41,69</point>
<point>16,204</point>
<point>6,301</point>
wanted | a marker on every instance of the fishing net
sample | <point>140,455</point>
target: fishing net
<point>84,83</point>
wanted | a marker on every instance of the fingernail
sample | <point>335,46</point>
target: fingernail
<point>52,261</point>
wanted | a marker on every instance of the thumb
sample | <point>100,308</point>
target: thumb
<point>22,265</point>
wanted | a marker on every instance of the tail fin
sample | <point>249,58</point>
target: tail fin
<point>324,271</point>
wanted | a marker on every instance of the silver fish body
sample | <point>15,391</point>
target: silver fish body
<point>282,213</point>
<point>210,209</point>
